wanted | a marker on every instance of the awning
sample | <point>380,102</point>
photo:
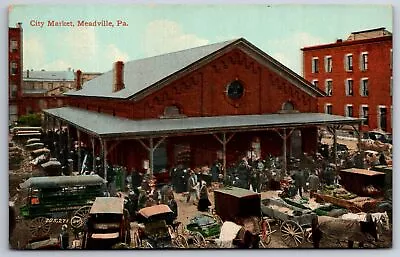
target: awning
<point>105,125</point>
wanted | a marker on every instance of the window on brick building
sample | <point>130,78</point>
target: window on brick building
<point>364,87</point>
<point>328,87</point>
<point>28,109</point>
<point>391,86</point>
<point>349,87</point>
<point>314,65</point>
<point>13,91</point>
<point>364,114</point>
<point>328,108</point>
<point>349,110</point>
<point>364,61</point>
<point>13,46</point>
<point>349,62</point>
<point>13,68</point>
<point>391,58</point>
<point>328,63</point>
<point>315,82</point>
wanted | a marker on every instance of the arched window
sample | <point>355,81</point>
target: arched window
<point>172,111</point>
<point>288,106</point>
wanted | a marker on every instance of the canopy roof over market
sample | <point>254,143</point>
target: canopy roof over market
<point>104,125</point>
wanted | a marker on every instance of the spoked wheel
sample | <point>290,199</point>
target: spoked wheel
<point>218,218</point>
<point>292,233</point>
<point>198,240</point>
<point>265,235</point>
<point>80,217</point>
<point>39,227</point>
<point>180,242</point>
<point>146,245</point>
<point>135,240</point>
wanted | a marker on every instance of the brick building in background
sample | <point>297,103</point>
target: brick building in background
<point>191,107</point>
<point>356,75</point>
<point>15,62</point>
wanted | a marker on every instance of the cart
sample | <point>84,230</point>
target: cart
<point>107,224</point>
<point>294,222</point>
<point>243,207</point>
<point>59,200</point>
<point>156,229</point>
<point>202,230</point>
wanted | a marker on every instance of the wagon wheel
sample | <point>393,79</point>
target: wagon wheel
<point>135,240</point>
<point>80,217</point>
<point>180,242</point>
<point>146,245</point>
<point>198,240</point>
<point>39,227</point>
<point>265,235</point>
<point>292,234</point>
<point>218,219</point>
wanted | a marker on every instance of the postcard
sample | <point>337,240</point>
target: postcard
<point>175,126</point>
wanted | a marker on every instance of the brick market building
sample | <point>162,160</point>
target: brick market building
<point>15,62</point>
<point>356,75</point>
<point>219,101</point>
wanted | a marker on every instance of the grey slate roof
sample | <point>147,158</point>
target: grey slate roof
<point>49,76</point>
<point>105,125</point>
<point>142,74</point>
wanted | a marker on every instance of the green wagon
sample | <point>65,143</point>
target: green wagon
<point>59,199</point>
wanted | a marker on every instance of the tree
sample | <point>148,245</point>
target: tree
<point>31,120</point>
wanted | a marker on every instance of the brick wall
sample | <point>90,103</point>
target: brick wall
<point>379,74</point>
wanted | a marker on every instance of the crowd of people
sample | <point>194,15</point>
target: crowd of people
<point>306,172</point>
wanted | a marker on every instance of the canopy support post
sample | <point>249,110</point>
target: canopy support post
<point>103,143</point>
<point>284,136</point>
<point>93,154</point>
<point>79,149</point>
<point>224,141</point>
<point>151,148</point>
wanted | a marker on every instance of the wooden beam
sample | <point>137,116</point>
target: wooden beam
<point>151,156</point>
<point>93,154</point>
<point>284,136</point>
<point>104,148</point>
<point>143,144</point>
<point>79,149</point>
<point>224,141</point>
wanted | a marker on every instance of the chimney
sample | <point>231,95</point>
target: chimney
<point>118,83</point>
<point>78,80</point>
<point>27,74</point>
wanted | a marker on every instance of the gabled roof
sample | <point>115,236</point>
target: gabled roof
<point>143,75</point>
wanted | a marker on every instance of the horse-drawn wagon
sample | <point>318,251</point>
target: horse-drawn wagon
<point>107,224</point>
<point>243,207</point>
<point>156,228</point>
<point>59,199</point>
<point>295,222</point>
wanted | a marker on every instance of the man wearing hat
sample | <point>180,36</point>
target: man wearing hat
<point>192,186</point>
<point>299,178</point>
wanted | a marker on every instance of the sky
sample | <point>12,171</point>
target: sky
<point>153,29</point>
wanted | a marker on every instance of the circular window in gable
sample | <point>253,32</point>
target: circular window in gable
<point>235,90</point>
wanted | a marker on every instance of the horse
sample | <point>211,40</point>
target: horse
<point>233,235</point>
<point>380,218</point>
<point>342,229</point>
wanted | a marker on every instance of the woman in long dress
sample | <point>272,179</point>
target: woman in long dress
<point>204,202</point>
